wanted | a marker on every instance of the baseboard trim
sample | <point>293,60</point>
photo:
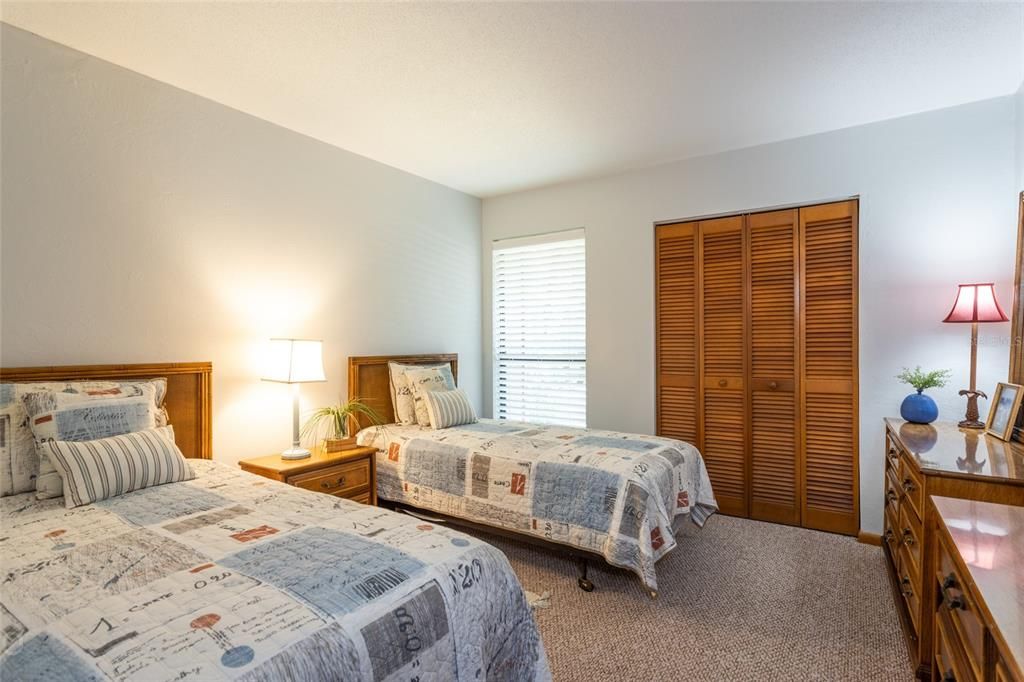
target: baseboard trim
<point>869,538</point>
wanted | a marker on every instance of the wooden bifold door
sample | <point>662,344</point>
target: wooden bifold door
<point>756,331</point>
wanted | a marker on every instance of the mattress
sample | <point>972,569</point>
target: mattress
<point>232,576</point>
<point>614,494</point>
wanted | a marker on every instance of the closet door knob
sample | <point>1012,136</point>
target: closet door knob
<point>723,383</point>
<point>773,385</point>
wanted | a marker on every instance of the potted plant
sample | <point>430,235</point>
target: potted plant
<point>331,424</point>
<point>918,407</point>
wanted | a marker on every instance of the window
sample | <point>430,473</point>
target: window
<point>540,329</point>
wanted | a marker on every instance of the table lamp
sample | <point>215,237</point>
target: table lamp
<point>975,303</point>
<point>295,361</point>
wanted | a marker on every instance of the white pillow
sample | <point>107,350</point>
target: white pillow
<point>423,381</point>
<point>99,469</point>
<point>401,394</point>
<point>19,460</point>
<point>449,408</point>
<point>54,415</point>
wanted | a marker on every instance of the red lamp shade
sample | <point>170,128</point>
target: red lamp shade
<point>976,303</point>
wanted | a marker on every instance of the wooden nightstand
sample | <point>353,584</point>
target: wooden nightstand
<point>351,474</point>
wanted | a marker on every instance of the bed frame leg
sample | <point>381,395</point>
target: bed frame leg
<point>582,581</point>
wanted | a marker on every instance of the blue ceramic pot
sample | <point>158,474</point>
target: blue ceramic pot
<point>919,409</point>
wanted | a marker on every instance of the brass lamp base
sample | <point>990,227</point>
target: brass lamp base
<point>971,420</point>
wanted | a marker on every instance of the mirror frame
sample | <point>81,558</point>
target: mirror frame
<point>1017,323</point>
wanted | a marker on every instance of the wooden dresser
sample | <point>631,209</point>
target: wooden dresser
<point>977,591</point>
<point>938,459</point>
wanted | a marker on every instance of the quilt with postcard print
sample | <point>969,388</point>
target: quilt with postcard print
<point>615,494</point>
<point>231,576</point>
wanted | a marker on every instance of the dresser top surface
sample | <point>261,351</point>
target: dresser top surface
<point>945,448</point>
<point>990,539</point>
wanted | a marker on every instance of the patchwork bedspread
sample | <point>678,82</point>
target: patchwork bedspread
<point>616,494</point>
<point>232,576</point>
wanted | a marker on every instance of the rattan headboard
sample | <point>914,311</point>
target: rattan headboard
<point>370,381</point>
<point>189,394</point>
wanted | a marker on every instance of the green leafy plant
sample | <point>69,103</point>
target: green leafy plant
<point>332,421</point>
<point>922,380</point>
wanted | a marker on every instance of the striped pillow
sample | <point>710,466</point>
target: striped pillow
<point>449,408</point>
<point>97,469</point>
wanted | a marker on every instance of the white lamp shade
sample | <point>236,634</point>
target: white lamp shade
<point>294,361</point>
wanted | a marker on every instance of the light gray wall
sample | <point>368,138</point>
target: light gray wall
<point>1019,100</point>
<point>937,208</point>
<point>141,223</point>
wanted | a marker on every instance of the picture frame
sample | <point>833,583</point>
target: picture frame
<point>1003,414</point>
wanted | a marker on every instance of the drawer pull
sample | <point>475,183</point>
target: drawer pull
<point>952,603</point>
<point>907,590</point>
<point>722,383</point>
<point>908,537</point>
<point>889,535</point>
<point>327,485</point>
<point>908,485</point>
<point>893,454</point>
<point>772,385</point>
<point>891,495</point>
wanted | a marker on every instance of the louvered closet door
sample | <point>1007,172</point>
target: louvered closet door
<point>829,355</point>
<point>676,330</point>
<point>775,436</point>
<point>723,419</point>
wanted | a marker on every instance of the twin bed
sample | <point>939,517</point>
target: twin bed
<point>233,576</point>
<point>230,576</point>
<point>618,496</point>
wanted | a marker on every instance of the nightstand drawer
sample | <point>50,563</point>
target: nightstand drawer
<point>336,480</point>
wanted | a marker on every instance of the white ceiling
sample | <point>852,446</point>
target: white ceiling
<point>490,98</point>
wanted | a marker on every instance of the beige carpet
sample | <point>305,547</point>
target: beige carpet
<point>738,600</point>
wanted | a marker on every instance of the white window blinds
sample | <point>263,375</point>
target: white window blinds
<point>540,329</point>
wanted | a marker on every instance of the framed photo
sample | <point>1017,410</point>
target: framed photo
<point>1005,405</point>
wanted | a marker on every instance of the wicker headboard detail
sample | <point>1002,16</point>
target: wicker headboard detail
<point>370,381</point>
<point>189,394</point>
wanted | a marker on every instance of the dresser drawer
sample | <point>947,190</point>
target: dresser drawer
<point>909,536</point>
<point>891,533</point>
<point>910,587</point>
<point>966,629</point>
<point>892,493</point>
<point>913,491</point>
<point>343,480</point>
<point>892,456</point>
<point>948,666</point>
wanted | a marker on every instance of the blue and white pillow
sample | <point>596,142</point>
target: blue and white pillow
<point>423,381</point>
<point>64,416</point>
<point>449,408</point>
<point>100,469</point>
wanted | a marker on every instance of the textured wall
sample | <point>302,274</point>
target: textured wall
<point>141,223</point>
<point>937,207</point>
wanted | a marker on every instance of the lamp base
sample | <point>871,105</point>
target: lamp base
<point>296,453</point>
<point>971,420</point>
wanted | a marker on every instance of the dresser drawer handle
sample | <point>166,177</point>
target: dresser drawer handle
<point>327,485</point>
<point>907,588</point>
<point>893,454</point>
<point>908,537</point>
<point>949,581</point>
<point>772,385</point>
<point>889,535</point>
<point>908,485</point>
<point>722,383</point>
<point>891,495</point>
<point>952,603</point>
